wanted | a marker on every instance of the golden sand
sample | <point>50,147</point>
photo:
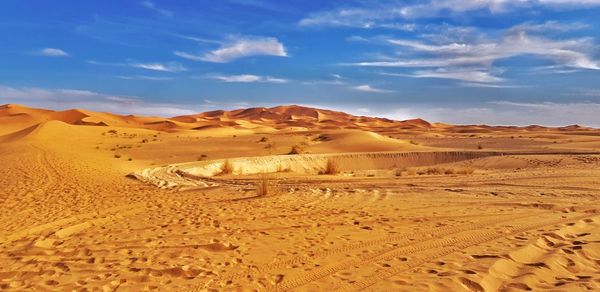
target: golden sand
<point>96,201</point>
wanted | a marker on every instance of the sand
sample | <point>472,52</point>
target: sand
<point>96,201</point>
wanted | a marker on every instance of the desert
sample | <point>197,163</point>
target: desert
<point>269,145</point>
<point>294,198</point>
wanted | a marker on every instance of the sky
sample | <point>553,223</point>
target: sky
<point>501,62</point>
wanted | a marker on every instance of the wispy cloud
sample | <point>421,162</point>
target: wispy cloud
<point>248,78</point>
<point>154,66</point>
<point>87,99</point>
<point>52,52</point>
<point>164,67</point>
<point>239,47</point>
<point>472,62</point>
<point>150,5</point>
<point>143,77</point>
<point>397,14</point>
<point>462,74</point>
<point>567,52</point>
<point>369,88</point>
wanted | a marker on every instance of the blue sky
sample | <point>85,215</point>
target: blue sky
<point>457,61</point>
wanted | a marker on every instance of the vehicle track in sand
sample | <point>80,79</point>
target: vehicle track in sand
<point>381,245</point>
<point>440,241</point>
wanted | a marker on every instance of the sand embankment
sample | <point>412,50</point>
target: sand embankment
<point>194,174</point>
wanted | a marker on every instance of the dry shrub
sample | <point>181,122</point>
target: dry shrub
<point>227,167</point>
<point>282,168</point>
<point>399,171</point>
<point>296,150</point>
<point>332,167</point>
<point>445,170</point>
<point>262,186</point>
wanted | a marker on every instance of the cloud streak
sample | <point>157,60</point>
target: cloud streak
<point>395,14</point>
<point>76,98</point>
<point>171,67</point>
<point>150,5</point>
<point>248,78</point>
<point>52,52</point>
<point>239,48</point>
<point>369,88</point>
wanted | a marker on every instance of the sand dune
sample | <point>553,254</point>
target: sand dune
<point>292,198</point>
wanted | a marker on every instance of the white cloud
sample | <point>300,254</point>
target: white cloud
<point>86,99</point>
<point>239,48</point>
<point>164,67</point>
<point>567,52</point>
<point>154,66</point>
<point>52,52</point>
<point>469,75</point>
<point>369,88</point>
<point>590,92</point>
<point>143,77</point>
<point>248,78</point>
<point>150,5</point>
<point>504,113</point>
<point>394,14</point>
<point>549,27</point>
<point>473,62</point>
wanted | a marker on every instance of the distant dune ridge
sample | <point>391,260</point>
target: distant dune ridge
<point>292,117</point>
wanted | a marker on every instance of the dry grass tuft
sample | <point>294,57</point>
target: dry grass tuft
<point>262,186</point>
<point>332,167</point>
<point>227,167</point>
<point>399,171</point>
<point>296,150</point>
<point>444,170</point>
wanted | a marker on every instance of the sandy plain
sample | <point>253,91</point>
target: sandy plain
<point>294,198</point>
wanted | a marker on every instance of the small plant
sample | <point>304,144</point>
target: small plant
<point>414,142</point>
<point>129,159</point>
<point>227,167</point>
<point>399,171</point>
<point>322,137</point>
<point>281,168</point>
<point>296,150</point>
<point>262,186</point>
<point>332,167</point>
<point>202,157</point>
<point>117,156</point>
<point>479,146</point>
<point>263,139</point>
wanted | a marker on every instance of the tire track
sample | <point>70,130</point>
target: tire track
<point>452,244</point>
<point>446,247</point>
<point>397,240</point>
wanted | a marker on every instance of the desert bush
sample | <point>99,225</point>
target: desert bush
<point>263,139</point>
<point>413,142</point>
<point>479,146</point>
<point>332,167</point>
<point>281,168</point>
<point>399,171</point>
<point>322,137</point>
<point>262,186</point>
<point>202,157</point>
<point>296,150</point>
<point>117,156</point>
<point>227,167</point>
<point>445,170</point>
